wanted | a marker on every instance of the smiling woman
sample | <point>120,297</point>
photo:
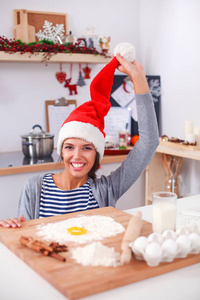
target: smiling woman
<point>79,158</point>
<point>81,143</point>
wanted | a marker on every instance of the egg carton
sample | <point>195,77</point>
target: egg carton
<point>165,247</point>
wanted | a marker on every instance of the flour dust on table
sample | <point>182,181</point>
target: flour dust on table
<point>96,254</point>
<point>89,229</point>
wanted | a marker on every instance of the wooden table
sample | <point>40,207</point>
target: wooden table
<point>18,281</point>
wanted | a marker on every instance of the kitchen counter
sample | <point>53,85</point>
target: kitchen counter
<point>16,162</point>
<point>20,282</point>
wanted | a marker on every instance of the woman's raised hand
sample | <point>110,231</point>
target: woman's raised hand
<point>12,223</point>
<point>136,72</point>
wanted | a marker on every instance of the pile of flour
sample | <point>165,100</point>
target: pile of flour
<point>96,254</point>
<point>98,228</point>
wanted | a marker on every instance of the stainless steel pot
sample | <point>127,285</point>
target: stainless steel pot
<point>38,144</point>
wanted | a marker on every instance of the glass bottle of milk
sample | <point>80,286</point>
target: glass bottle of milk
<point>164,211</point>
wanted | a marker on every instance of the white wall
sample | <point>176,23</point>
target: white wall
<point>170,47</point>
<point>25,86</point>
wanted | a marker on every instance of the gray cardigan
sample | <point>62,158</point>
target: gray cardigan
<point>108,189</point>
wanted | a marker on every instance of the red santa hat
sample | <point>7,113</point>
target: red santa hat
<point>87,120</point>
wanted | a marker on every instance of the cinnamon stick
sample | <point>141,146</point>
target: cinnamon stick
<point>58,248</point>
<point>58,256</point>
<point>40,247</point>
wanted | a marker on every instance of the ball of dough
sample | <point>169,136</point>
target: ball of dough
<point>126,50</point>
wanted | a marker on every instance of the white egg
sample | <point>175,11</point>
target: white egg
<point>182,230</point>
<point>195,242</point>
<point>153,252</point>
<point>183,245</point>
<point>155,237</point>
<point>169,248</point>
<point>169,234</point>
<point>139,245</point>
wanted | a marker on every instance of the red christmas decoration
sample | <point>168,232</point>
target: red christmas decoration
<point>72,87</point>
<point>124,88</point>
<point>61,76</point>
<point>87,71</point>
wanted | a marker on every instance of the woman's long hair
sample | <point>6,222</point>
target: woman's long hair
<point>92,172</point>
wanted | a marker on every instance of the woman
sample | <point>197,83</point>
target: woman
<point>81,146</point>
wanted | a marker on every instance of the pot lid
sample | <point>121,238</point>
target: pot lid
<point>40,134</point>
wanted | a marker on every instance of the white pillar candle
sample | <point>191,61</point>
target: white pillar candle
<point>188,128</point>
<point>190,138</point>
<point>197,135</point>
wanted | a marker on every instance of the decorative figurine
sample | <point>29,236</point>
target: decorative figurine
<point>87,71</point>
<point>72,87</point>
<point>90,36</point>
<point>104,42</point>
<point>61,76</point>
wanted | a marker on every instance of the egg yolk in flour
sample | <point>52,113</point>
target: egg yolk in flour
<point>76,230</point>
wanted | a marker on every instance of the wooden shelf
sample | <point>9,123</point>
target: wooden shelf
<point>57,58</point>
<point>179,152</point>
<point>155,176</point>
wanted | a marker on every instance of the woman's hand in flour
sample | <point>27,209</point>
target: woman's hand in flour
<point>12,223</point>
<point>136,72</point>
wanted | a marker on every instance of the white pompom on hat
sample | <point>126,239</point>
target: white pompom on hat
<point>87,120</point>
<point>126,50</point>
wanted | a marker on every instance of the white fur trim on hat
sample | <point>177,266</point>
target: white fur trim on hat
<point>126,50</point>
<point>85,131</point>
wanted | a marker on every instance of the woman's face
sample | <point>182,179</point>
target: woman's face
<point>78,157</point>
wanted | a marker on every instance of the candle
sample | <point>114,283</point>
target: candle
<point>197,135</point>
<point>188,128</point>
<point>190,138</point>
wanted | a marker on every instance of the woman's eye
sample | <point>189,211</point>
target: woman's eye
<point>87,148</point>
<point>68,147</point>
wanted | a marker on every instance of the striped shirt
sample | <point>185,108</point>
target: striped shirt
<point>54,201</point>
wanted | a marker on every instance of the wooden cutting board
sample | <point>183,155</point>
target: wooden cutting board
<point>76,281</point>
<point>24,31</point>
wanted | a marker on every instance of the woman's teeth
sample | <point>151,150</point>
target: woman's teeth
<point>77,165</point>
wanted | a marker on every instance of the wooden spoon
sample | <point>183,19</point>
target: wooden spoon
<point>166,164</point>
<point>178,165</point>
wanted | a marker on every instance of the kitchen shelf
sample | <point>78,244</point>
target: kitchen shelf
<point>57,58</point>
<point>179,152</point>
<point>155,176</point>
<point>15,163</point>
